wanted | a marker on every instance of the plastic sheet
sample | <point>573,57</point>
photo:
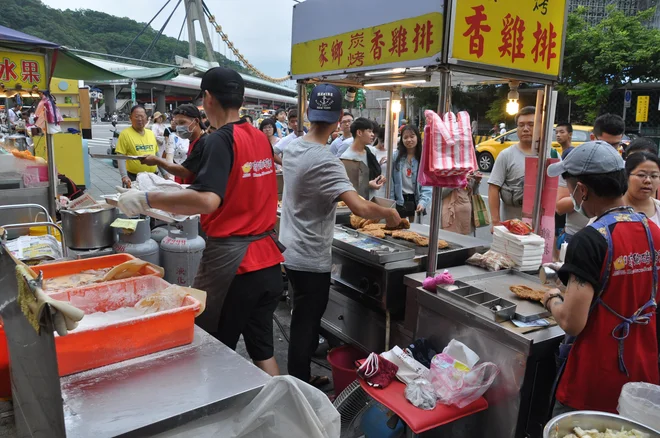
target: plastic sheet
<point>287,407</point>
<point>641,402</point>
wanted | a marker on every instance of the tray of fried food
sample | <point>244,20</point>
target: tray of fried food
<point>416,238</point>
<point>360,223</point>
<point>528,293</point>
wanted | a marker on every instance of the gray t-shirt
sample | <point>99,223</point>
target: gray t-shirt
<point>574,221</point>
<point>509,174</point>
<point>313,181</point>
<point>339,146</point>
<point>350,154</point>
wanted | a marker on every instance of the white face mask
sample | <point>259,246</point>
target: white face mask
<point>578,209</point>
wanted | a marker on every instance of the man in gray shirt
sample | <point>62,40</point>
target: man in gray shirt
<point>345,139</point>
<point>314,181</point>
<point>507,180</point>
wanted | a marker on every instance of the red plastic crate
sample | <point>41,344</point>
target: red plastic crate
<point>59,269</point>
<point>86,349</point>
<point>52,270</point>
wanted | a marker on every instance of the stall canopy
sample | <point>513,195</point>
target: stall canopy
<point>67,65</point>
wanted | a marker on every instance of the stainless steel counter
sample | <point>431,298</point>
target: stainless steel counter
<point>519,396</point>
<point>159,392</point>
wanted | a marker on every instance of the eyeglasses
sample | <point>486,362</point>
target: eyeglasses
<point>643,176</point>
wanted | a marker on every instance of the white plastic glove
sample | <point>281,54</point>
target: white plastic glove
<point>133,202</point>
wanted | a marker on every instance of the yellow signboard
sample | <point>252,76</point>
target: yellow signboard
<point>26,69</point>
<point>512,34</point>
<point>410,39</point>
<point>642,109</point>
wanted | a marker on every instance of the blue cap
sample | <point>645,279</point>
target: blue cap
<point>590,158</point>
<point>325,104</point>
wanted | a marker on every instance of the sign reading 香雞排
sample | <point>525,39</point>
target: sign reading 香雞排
<point>525,35</point>
<point>328,38</point>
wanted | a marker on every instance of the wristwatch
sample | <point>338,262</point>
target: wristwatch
<point>557,295</point>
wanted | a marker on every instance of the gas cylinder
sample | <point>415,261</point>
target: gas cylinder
<point>181,251</point>
<point>159,233</point>
<point>139,243</point>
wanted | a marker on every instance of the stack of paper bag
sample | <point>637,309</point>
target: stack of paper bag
<point>525,251</point>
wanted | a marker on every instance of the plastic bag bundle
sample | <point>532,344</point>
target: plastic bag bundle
<point>448,155</point>
<point>421,394</point>
<point>491,260</point>
<point>456,380</point>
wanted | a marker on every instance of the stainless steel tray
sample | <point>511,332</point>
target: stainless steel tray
<point>480,302</point>
<point>370,248</point>
<point>498,283</point>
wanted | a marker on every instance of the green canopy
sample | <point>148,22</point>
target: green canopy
<point>151,74</point>
<point>71,66</point>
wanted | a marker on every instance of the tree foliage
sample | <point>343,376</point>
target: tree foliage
<point>617,51</point>
<point>94,31</point>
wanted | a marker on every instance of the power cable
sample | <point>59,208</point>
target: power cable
<point>239,57</point>
<point>178,39</point>
<point>145,27</point>
<point>160,32</point>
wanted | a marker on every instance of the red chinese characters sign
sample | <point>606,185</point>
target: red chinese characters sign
<point>26,69</point>
<point>524,36</point>
<point>409,39</point>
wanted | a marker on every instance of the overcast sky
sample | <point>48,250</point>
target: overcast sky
<point>260,29</point>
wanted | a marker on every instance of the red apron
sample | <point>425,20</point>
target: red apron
<point>623,313</point>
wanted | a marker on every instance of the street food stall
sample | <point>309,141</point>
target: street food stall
<point>379,280</point>
<point>104,346</point>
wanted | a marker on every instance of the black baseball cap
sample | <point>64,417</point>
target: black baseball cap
<point>325,104</point>
<point>222,81</point>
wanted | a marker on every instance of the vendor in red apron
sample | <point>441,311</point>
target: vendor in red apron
<point>187,121</point>
<point>235,190</point>
<point>608,310</point>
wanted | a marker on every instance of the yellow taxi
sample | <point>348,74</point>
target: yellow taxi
<point>487,151</point>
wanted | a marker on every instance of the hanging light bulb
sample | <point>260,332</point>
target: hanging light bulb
<point>513,106</point>
<point>396,106</point>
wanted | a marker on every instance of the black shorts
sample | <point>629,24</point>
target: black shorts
<point>248,310</point>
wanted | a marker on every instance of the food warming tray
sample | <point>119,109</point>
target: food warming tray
<point>497,283</point>
<point>370,248</point>
<point>479,301</point>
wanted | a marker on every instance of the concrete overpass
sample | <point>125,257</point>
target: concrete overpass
<point>184,88</point>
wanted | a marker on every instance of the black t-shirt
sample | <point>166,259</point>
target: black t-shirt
<point>194,161</point>
<point>585,256</point>
<point>168,131</point>
<point>217,159</point>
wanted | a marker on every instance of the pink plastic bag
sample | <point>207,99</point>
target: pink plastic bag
<point>455,386</point>
<point>448,154</point>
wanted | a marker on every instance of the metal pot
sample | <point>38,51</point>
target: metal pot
<point>89,230</point>
<point>562,425</point>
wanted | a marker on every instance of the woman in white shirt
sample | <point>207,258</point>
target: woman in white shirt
<point>643,170</point>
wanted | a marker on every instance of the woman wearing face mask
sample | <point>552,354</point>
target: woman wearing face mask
<point>643,170</point>
<point>410,196</point>
<point>186,164</point>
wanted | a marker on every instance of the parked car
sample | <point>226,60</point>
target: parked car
<point>487,151</point>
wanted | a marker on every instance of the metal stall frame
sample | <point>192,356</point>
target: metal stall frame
<point>446,66</point>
